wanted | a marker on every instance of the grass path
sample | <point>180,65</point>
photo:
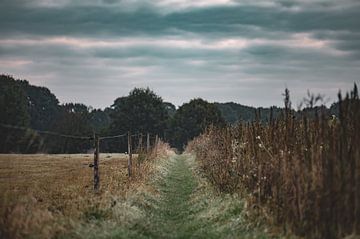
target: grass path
<point>186,209</point>
<point>174,215</point>
<point>176,203</point>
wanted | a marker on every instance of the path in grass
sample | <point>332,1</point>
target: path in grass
<point>186,209</point>
<point>174,212</point>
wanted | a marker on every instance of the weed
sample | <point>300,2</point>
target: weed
<point>302,173</point>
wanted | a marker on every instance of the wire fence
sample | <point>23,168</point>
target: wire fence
<point>46,132</point>
<point>96,140</point>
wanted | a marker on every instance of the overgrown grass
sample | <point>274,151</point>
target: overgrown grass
<point>224,215</point>
<point>301,173</point>
<point>178,203</point>
<point>175,202</point>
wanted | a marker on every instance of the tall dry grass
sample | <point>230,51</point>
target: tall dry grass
<point>303,172</point>
<point>50,196</point>
<point>41,195</point>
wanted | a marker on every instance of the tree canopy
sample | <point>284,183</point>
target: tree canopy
<point>33,107</point>
<point>191,119</point>
<point>14,107</point>
<point>142,111</point>
<point>13,110</point>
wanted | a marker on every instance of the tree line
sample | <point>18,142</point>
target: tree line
<point>142,111</point>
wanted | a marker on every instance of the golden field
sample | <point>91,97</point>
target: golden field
<point>44,194</point>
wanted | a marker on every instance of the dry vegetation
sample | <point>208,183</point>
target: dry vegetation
<point>38,190</point>
<point>302,174</point>
<point>47,196</point>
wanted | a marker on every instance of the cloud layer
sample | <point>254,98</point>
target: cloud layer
<point>221,50</point>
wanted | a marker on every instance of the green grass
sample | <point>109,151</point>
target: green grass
<point>181,205</point>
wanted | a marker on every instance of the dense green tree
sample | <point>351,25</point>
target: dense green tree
<point>28,106</point>
<point>43,106</point>
<point>142,111</point>
<point>100,119</point>
<point>13,103</point>
<point>73,119</point>
<point>191,119</point>
<point>234,112</point>
<point>170,108</point>
<point>13,111</point>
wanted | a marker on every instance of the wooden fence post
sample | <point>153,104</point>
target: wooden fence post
<point>156,143</point>
<point>148,143</point>
<point>96,164</point>
<point>140,142</point>
<point>130,155</point>
<point>140,152</point>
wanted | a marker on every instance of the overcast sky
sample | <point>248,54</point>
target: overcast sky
<point>244,51</point>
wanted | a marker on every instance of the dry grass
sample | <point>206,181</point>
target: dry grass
<point>302,174</point>
<point>49,196</point>
<point>40,192</point>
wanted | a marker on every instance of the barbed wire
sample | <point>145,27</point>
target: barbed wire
<point>47,132</point>
<point>72,136</point>
<point>113,137</point>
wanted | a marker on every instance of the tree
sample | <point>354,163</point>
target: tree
<point>170,108</point>
<point>191,119</point>
<point>73,119</point>
<point>43,106</point>
<point>13,111</point>
<point>100,119</point>
<point>142,111</point>
<point>13,103</point>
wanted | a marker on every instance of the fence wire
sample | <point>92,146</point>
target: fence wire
<point>47,132</point>
<point>70,136</point>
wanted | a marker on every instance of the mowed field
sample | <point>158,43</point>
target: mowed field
<point>41,189</point>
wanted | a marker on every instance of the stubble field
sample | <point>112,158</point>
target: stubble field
<point>40,193</point>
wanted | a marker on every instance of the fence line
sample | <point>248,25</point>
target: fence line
<point>113,137</point>
<point>47,132</point>
<point>97,141</point>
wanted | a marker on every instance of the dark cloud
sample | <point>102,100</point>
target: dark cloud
<point>110,1</point>
<point>225,53</point>
<point>87,20</point>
